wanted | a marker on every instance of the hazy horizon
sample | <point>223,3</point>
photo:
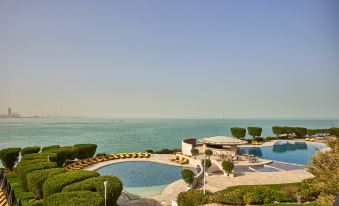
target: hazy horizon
<point>171,59</point>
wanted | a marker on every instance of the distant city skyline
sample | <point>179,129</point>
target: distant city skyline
<point>171,59</point>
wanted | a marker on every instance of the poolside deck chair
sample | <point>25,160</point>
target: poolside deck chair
<point>111,157</point>
<point>147,155</point>
<point>92,160</point>
<point>105,158</point>
<point>134,154</point>
<point>128,155</point>
<point>122,155</point>
<point>87,161</point>
<point>99,159</point>
<point>174,158</point>
<point>140,155</point>
<point>116,156</point>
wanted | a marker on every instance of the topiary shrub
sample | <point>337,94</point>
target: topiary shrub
<point>194,152</point>
<point>36,179</point>
<point>56,183</point>
<point>30,150</point>
<point>254,131</point>
<point>188,176</point>
<point>24,170</point>
<point>192,198</point>
<point>208,153</point>
<point>96,184</point>
<point>86,150</point>
<point>50,147</point>
<point>9,157</point>
<point>72,152</point>
<point>62,155</point>
<point>238,132</point>
<point>208,163</point>
<point>45,156</point>
<point>228,166</point>
<point>83,198</point>
<point>300,131</point>
<point>30,162</point>
<point>278,130</point>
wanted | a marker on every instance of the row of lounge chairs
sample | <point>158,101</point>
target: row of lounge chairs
<point>90,161</point>
<point>310,139</point>
<point>256,143</point>
<point>180,160</point>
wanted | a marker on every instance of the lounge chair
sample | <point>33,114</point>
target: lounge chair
<point>184,161</point>
<point>122,155</point>
<point>99,159</point>
<point>147,155</point>
<point>174,158</point>
<point>128,155</point>
<point>134,154</point>
<point>140,155</point>
<point>116,156</point>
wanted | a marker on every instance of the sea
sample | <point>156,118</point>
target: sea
<point>128,135</point>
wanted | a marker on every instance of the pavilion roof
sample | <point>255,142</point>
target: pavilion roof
<point>223,140</point>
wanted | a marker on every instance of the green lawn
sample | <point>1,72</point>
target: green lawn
<point>25,197</point>
<point>275,187</point>
<point>291,204</point>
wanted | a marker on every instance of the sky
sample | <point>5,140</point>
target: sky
<point>170,59</point>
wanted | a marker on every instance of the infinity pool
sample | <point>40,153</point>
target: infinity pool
<point>143,177</point>
<point>285,151</point>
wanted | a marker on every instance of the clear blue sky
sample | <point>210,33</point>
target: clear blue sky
<point>187,59</point>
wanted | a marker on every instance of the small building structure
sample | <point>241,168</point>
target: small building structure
<point>222,145</point>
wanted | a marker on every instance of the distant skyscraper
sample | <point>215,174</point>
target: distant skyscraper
<point>9,112</point>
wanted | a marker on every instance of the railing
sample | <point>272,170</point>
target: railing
<point>5,186</point>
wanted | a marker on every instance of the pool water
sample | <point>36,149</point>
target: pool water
<point>139,177</point>
<point>285,151</point>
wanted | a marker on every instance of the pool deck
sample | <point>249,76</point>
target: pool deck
<point>214,182</point>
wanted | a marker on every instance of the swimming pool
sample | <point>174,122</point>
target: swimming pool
<point>143,177</point>
<point>285,151</point>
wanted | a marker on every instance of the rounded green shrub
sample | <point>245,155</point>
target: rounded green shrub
<point>208,152</point>
<point>238,132</point>
<point>300,131</point>
<point>36,179</point>
<point>72,152</point>
<point>24,170</point>
<point>254,131</point>
<point>192,198</point>
<point>44,156</point>
<point>278,130</point>
<point>62,155</point>
<point>208,163</point>
<point>228,166</point>
<point>187,175</point>
<point>83,198</point>
<point>9,157</point>
<point>96,184</point>
<point>56,183</point>
<point>194,152</point>
<point>30,150</point>
<point>86,150</point>
<point>50,147</point>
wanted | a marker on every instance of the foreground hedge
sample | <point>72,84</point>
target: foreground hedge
<point>9,157</point>
<point>72,152</point>
<point>30,150</point>
<point>96,184</point>
<point>24,170</point>
<point>30,162</point>
<point>56,183</point>
<point>61,155</point>
<point>36,179</point>
<point>83,198</point>
<point>51,156</point>
<point>86,150</point>
<point>192,198</point>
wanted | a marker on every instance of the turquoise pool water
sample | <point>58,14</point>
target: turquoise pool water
<point>285,151</point>
<point>143,177</point>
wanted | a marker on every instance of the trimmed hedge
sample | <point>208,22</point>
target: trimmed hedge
<point>278,130</point>
<point>24,170</point>
<point>86,150</point>
<point>334,131</point>
<point>238,132</point>
<point>254,131</point>
<point>208,152</point>
<point>228,166</point>
<point>194,151</point>
<point>192,198</point>
<point>52,156</point>
<point>37,178</point>
<point>208,163</point>
<point>188,176</point>
<point>30,150</point>
<point>62,155</point>
<point>9,157</point>
<point>72,152</point>
<point>96,184</point>
<point>83,198</point>
<point>30,162</point>
<point>300,131</point>
<point>50,147</point>
<point>56,183</point>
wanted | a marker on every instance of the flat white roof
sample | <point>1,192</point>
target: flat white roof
<point>222,140</point>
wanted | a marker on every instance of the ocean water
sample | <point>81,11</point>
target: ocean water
<point>128,135</point>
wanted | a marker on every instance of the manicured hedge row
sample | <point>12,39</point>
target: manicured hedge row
<point>30,162</point>
<point>72,152</point>
<point>36,179</point>
<point>56,183</point>
<point>96,184</point>
<point>9,157</point>
<point>30,150</point>
<point>86,150</point>
<point>50,147</point>
<point>24,170</point>
<point>254,131</point>
<point>238,132</point>
<point>192,198</point>
<point>83,198</point>
<point>61,155</point>
<point>45,155</point>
